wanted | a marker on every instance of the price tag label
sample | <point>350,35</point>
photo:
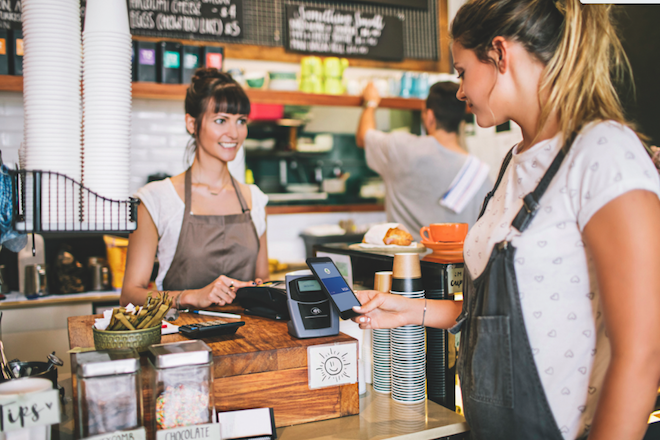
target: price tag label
<point>134,434</point>
<point>27,410</point>
<point>209,431</point>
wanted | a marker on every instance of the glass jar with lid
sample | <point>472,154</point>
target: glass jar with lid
<point>109,391</point>
<point>182,384</point>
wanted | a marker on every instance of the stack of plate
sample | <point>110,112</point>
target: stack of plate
<point>106,103</point>
<point>51,97</point>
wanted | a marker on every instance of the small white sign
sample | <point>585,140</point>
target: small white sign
<point>134,434</point>
<point>332,364</point>
<point>208,431</point>
<point>27,410</point>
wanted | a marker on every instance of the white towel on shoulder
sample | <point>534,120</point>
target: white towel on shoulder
<point>465,185</point>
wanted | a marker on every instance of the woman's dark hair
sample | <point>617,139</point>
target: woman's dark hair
<point>447,109</point>
<point>211,86</point>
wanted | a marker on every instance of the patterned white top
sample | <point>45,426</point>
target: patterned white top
<point>555,273</point>
<point>166,210</point>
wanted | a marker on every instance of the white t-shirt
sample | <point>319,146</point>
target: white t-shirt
<point>555,274</point>
<point>166,209</point>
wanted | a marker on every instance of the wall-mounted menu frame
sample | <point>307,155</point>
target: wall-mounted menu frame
<point>331,31</point>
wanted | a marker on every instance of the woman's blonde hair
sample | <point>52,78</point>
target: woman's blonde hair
<point>577,43</point>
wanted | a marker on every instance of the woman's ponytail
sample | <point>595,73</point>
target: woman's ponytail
<point>577,43</point>
<point>579,80</point>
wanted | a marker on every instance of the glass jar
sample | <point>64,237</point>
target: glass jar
<point>109,391</point>
<point>182,384</point>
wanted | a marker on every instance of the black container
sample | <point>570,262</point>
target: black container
<point>214,56</point>
<point>169,62</point>
<point>37,369</point>
<point>16,52</point>
<point>4,52</point>
<point>144,61</point>
<point>190,61</point>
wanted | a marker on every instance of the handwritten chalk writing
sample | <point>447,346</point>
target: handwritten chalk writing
<point>338,32</point>
<point>150,5</point>
<point>135,434</point>
<point>190,19</point>
<point>27,410</point>
<point>197,432</point>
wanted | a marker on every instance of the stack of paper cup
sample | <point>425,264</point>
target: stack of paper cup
<point>106,105</point>
<point>408,343</point>
<point>51,94</point>
<point>380,343</point>
<point>14,389</point>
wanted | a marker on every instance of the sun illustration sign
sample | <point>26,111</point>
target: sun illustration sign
<point>332,364</point>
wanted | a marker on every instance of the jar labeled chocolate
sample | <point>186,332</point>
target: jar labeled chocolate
<point>109,392</point>
<point>182,385</point>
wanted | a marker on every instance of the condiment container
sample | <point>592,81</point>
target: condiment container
<point>109,391</point>
<point>182,384</point>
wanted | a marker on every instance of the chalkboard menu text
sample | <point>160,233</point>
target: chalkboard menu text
<point>10,14</point>
<point>193,20</point>
<point>330,31</point>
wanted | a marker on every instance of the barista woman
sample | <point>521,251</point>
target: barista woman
<point>208,230</point>
<point>561,312</point>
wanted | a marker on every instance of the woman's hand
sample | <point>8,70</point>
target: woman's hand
<point>222,291</point>
<point>384,310</point>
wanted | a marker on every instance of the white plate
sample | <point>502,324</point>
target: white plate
<point>414,247</point>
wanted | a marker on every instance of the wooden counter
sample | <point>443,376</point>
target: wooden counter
<point>260,366</point>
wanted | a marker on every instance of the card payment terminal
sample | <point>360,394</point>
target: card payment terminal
<point>312,314</point>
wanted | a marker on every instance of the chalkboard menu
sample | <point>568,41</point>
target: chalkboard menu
<point>10,14</point>
<point>192,20</point>
<point>330,31</point>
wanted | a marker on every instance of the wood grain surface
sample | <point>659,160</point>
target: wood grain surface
<point>259,366</point>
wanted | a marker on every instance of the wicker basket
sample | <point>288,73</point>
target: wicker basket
<point>137,339</point>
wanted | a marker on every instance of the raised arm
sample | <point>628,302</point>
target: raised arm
<point>368,117</point>
<point>624,239</point>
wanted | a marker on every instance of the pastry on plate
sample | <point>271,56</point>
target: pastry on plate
<point>388,234</point>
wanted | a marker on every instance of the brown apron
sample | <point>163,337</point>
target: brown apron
<point>213,245</point>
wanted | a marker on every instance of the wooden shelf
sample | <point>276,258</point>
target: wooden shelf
<point>178,92</point>
<point>146,90</point>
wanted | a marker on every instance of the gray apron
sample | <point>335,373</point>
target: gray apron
<point>503,397</point>
<point>213,245</point>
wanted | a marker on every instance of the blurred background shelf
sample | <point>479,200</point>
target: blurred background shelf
<point>145,90</point>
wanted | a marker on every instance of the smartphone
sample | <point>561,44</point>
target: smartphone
<point>209,328</point>
<point>334,286</point>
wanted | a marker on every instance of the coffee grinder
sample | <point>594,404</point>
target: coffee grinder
<point>312,314</point>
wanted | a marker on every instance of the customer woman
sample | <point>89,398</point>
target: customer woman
<point>207,229</point>
<point>562,292</point>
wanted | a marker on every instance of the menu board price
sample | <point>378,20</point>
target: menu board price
<point>194,19</point>
<point>346,33</point>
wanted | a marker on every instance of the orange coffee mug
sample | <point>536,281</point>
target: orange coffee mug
<point>445,232</point>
